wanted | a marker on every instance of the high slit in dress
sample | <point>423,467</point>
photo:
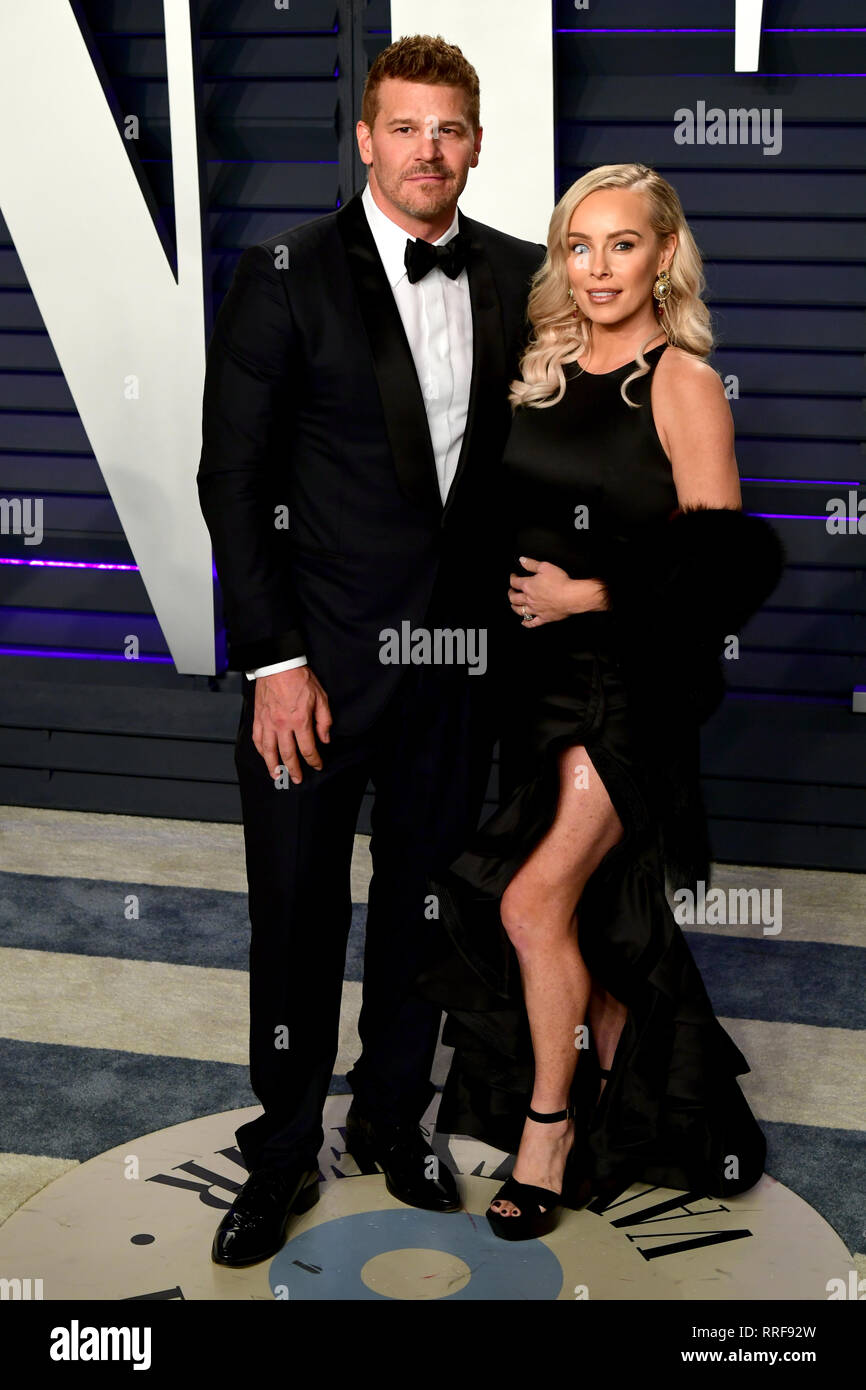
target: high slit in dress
<point>577,477</point>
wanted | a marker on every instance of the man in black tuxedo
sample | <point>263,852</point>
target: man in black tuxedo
<point>357,384</point>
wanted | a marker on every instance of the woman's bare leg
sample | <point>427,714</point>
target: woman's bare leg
<point>538,913</point>
<point>606,1018</point>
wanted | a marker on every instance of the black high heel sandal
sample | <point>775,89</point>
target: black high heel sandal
<point>532,1222</point>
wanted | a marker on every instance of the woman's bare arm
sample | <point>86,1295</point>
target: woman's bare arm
<point>696,429</point>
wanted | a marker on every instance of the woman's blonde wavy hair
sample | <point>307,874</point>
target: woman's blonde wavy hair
<point>559,337</point>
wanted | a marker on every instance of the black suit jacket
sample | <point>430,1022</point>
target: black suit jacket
<point>312,403</point>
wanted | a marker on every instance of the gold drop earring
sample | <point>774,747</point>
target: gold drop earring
<point>571,297</point>
<point>661,291</point>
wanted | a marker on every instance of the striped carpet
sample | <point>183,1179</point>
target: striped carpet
<point>123,1000</point>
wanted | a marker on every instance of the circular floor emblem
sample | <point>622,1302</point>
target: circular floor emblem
<point>410,1254</point>
<point>138,1222</point>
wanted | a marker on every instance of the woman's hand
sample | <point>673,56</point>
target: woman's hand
<point>547,594</point>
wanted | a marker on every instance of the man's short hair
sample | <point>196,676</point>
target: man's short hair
<point>423,58</point>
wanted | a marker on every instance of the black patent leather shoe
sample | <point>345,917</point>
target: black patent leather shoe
<point>255,1225</point>
<point>413,1173</point>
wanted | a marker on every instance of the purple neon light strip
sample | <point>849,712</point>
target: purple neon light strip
<point>791,516</point>
<point>68,564</point>
<point>791,29</point>
<point>807,482</point>
<point>763,73</point>
<point>79,564</point>
<point>780,699</point>
<point>82,656</point>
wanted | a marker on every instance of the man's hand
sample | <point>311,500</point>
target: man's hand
<point>291,708</point>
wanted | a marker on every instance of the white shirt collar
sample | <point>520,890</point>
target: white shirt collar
<point>391,240</point>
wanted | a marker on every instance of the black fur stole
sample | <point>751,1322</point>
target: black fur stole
<point>676,591</point>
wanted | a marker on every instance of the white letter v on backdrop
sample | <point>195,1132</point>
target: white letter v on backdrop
<point>747,35</point>
<point>129,338</point>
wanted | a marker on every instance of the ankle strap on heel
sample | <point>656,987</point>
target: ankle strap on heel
<point>547,1119</point>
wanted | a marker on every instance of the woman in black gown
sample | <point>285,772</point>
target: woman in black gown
<point>584,1038</point>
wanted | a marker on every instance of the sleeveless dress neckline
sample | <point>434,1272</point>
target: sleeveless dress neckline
<point>660,347</point>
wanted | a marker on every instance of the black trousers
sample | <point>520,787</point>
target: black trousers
<point>428,757</point>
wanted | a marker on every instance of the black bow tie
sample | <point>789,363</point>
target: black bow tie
<point>420,257</point>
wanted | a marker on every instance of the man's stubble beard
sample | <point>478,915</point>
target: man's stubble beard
<point>423,206</point>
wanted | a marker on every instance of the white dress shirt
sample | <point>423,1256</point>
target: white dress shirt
<point>437,316</point>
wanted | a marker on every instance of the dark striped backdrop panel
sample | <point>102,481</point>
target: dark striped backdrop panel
<point>785,257</point>
<point>784,248</point>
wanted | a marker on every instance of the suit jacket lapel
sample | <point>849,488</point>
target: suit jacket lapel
<point>402,402</point>
<point>488,355</point>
